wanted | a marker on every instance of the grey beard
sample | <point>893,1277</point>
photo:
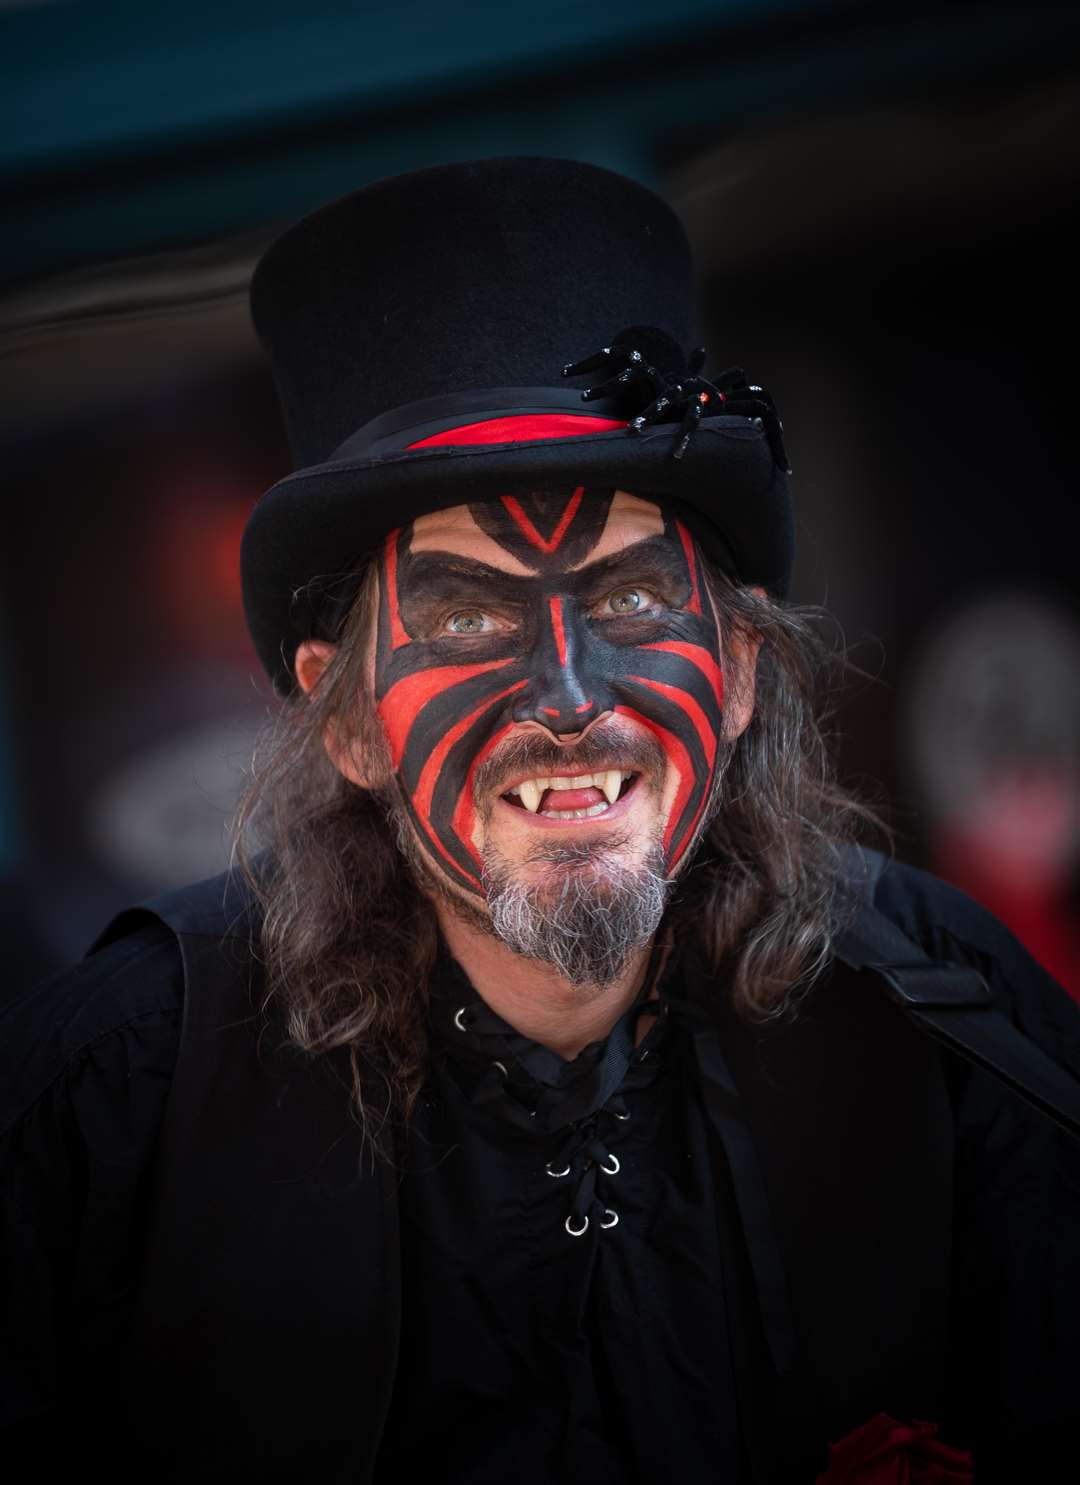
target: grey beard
<point>586,918</point>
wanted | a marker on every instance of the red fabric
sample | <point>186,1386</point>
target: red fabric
<point>522,428</point>
<point>884,1452</point>
<point>1013,850</point>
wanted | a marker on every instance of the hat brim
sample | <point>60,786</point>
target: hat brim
<point>313,528</point>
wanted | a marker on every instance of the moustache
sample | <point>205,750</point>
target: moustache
<point>604,746</point>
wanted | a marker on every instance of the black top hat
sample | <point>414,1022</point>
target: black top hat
<point>419,329</point>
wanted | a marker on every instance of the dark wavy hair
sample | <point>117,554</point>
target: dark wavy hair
<point>349,939</point>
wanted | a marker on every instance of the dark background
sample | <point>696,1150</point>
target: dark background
<point>883,201</point>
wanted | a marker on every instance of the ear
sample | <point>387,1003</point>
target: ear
<point>740,673</point>
<point>312,658</point>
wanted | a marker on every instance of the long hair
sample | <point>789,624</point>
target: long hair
<point>349,940</point>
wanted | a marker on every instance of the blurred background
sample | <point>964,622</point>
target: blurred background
<point>883,200</point>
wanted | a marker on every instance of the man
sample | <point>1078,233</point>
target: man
<point>532,1106</point>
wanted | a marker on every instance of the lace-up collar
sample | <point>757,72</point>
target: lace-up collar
<point>527,1083</point>
<point>583,1100</point>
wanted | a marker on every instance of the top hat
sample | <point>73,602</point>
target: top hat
<point>419,331</point>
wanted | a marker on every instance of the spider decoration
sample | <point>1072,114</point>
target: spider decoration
<point>672,388</point>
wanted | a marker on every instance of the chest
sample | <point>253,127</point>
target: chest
<point>283,1272</point>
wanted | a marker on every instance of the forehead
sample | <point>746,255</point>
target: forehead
<point>630,519</point>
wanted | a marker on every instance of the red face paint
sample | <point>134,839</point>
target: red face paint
<point>398,637</point>
<point>560,655</point>
<point>549,545</point>
<point>559,631</point>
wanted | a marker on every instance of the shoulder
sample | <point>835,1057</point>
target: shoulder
<point>951,927</point>
<point>130,985</point>
<point>133,986</point>
<point>220,907</point>
<point>938,915</point>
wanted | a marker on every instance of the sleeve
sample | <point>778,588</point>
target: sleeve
<point>85,1066</point>
<point>1016,1322</point>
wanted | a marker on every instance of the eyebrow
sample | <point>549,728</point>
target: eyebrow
<point>436,576</point>
<point>655,557</point>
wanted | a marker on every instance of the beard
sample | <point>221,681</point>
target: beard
<point>585,913</point>
<point>582,908</point>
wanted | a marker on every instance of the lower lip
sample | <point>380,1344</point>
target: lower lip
<point>552,822</point>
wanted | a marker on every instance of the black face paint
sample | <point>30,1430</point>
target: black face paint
<point>448,701</point>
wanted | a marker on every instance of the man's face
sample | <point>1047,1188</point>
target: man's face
<point>549,678</point>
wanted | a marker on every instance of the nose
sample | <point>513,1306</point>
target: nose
<point>561,696</point>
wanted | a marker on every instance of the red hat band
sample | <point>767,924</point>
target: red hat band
<point>521,428</point>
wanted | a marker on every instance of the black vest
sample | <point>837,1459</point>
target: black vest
<point>266,1328</point>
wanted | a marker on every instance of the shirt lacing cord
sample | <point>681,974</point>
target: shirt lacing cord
<point>586,1093</point>
<point>586,1155</point>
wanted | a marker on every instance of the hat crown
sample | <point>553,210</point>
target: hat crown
<point>492,273</point>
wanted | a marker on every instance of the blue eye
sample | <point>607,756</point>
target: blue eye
<point>627,601</point>
<point>468,621</point>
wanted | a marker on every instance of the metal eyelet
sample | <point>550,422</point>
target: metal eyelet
<point>458,1022</point>
<point>578,1231</point>
<point>612,1169</point>
<point>564,1172</point>
<point>613,1215</point>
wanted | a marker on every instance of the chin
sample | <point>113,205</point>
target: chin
<point>585,909</point>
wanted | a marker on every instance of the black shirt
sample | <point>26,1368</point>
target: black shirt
<point>563,1247</point>
<point>622,1351</point>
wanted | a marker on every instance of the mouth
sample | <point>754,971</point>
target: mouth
<point>567,799</point>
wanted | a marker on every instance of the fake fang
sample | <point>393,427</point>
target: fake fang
<point>447,709</point>
<point>571,798</point>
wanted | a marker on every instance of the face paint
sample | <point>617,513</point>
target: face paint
<point>550,650</point>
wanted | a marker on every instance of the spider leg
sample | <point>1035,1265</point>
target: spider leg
<point>747,407</point>
<point>763,409</point>
<point>696,360</point>
<point>613,385</point>
<point>590,363</point>
<point>691,418</point>
<point>651,414</point>
<point>763,414</point>
<point>705,392</point>
<point>774,433</point>
<point>733,379</point>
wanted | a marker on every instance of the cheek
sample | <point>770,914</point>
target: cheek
<point>440,723</point>
<point>417,711</point>
<point>674,687</point>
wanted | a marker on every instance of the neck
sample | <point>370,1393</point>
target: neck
<point>532,997</point>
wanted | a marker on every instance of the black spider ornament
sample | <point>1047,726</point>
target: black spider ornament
<point>647,368</point>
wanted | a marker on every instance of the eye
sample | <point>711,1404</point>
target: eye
<point>624,601</point>
<point>470,621</point>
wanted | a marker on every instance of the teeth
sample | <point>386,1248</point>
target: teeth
<point>595,809</point>
<point>529,792</point>
<point>611,783</point>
